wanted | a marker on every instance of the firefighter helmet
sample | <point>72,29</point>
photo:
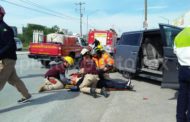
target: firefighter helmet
<point>84,51</point>
<point>2,10</point>
<point>69,60</point>
<point>99,47</point>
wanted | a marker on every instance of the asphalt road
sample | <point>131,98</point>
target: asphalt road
<point>148,103</point>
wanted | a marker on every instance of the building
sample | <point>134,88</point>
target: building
<point>183,20</point>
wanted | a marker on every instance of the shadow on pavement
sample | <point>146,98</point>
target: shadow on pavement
<point>55,96</point>
<point>154,82</point>
<point>119,80</point>
<point>32,75</point>
<point>175,96</point>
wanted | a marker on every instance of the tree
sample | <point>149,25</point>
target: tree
<point>27,34</point>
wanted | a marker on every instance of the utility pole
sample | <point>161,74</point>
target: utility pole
<point>81,15</point>
<point>87,24</point>
<point>145,23</point>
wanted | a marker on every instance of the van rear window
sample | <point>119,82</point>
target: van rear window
<point>130,39</point>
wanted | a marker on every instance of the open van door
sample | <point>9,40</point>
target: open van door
<point>170,63</point>
<point>127,52</point>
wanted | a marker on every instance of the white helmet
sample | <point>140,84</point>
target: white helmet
<point>84,51</point>
<point>2,10</point>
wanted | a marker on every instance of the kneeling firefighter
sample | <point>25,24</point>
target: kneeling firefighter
<point>55,76</point>
<point>91,78</point>
<point>105,64</point>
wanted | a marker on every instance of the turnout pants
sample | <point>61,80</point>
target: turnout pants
<point>52,86</point>
<point>90,81</point>
<point>183,101</point>
<point>8,74</point>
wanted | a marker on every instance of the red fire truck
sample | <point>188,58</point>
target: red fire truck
<point>107,38</point>
<point>55,46</point>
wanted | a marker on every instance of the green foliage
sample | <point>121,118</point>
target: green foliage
<point>27,34</point>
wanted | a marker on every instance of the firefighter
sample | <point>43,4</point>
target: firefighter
<point>55,76</point>
<point>91,78</point>
<point>8,59</point>
<point>104,63</point>
<point>181,49</point>
<point>96,43</point>
<point>104,59</point>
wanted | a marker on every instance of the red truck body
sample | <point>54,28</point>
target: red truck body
<point>50,49</point>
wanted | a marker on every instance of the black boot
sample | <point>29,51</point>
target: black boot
<point>104,92</point>
<point>93,92</point>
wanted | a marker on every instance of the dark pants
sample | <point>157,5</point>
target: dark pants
<point>111,84</point>
<point>115,84</point>
<point>183,101</point>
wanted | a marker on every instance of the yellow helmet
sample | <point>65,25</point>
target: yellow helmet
<point>69,60</point>
<point>99,47</point>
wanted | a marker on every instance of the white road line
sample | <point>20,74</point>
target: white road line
<point>22,53</point>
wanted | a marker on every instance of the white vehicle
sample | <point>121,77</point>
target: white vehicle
<point>19,44</point>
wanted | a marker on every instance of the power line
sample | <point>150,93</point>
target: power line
<point>33,9</point>
<point>43,8</point>
<point>44,12</point>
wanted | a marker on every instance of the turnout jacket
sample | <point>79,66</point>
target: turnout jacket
<point>182,47</point>
<point>7,42</point>
<point>89,66</point>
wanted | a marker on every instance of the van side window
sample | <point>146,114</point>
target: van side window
<point>170,34</point>
<point>130,39</point>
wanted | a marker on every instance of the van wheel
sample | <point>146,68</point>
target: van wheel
<point>45,63</point>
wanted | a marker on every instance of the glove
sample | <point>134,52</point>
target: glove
<point>101,71</point>
<point>74,89</point>
<point>108,65</point>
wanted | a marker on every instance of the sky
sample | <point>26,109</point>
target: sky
<point>123,15</point>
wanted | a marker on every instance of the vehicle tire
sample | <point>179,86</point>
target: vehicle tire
<point>19,49</point>
<point>72,54</point>
<point>45,63</point>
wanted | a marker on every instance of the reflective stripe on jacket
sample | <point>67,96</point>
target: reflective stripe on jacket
<point>182,47</point>
<point>105,59</point>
